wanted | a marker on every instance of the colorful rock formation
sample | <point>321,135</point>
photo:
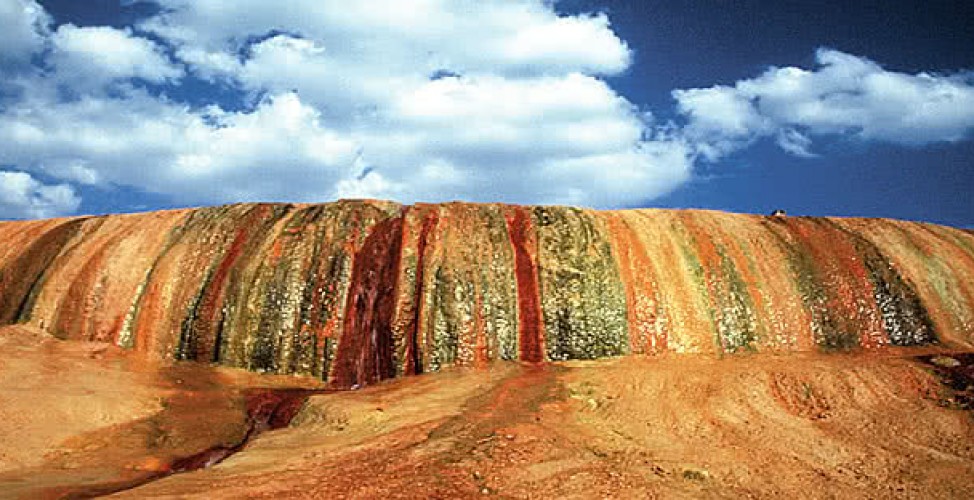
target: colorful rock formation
<point>359,291</point>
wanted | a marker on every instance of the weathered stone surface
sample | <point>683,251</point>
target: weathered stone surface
<point>359,291</point>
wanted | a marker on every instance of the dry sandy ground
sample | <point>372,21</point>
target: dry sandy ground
<point>845,425</point>
<point>77,417</point>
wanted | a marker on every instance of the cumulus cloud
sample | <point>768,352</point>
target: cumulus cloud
<point>99,53</point>
<point>846,95</point>
<point>509,36</point>
<point>278,150</point>
<point>24,26</point>
<point>24,197</point>
<point>416,100</point>
<point>413,100</point>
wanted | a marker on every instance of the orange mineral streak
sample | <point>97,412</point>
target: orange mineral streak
<point>18,237</point>
<point>175,279</point>
<point>93,283</point>
<point>706,252</point>
<point>530,326</point>
<point>772,286</point>
<point>647,331</point>
<point>757,258</point>
<point>957,248</point>
<point>24,260</point>
<point>690,325</point>
<point>930,257</point>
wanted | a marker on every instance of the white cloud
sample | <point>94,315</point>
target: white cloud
<point>96,54</point>
<point>279,150</point>
<point>416,100</point>
<point>511,36</point>
<point>347,105</point>
<point>24,197</point>
<point>23,26</point>
<point>721,120</point>
<point>846,95</point>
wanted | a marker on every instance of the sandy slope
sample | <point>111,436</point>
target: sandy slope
<point>51,391</point>
<point>802,426</point>
<point>79,416</point>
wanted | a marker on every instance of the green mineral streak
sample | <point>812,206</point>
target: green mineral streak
<point>304,344</point>
<point>409,264</point>
<point>938,274</point>
<point>813,289</point>
<point>951,272</point>
<point>246,294</point>
<point>443,324</point>
<point>947,287</point>
<point>499,288</point>
<point>472,278</point>
<point>698,275</point>
<point>188,339</point>
<point>582,295</point>
<point>126,337</point>
<point>761,330</point>
<point>278,333</point>
<point>283,334</point>
<point>954,236</point>
<point>739,325</point>
<point>212,231</point>
<point>904,317</point>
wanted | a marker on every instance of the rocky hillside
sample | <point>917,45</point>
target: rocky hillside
<point>358,291</point>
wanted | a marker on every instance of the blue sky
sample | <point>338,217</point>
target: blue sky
<point>820,108</point>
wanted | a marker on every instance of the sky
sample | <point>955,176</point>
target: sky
<point>818,108</point>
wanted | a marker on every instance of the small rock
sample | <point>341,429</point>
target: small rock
<point>696,474</point>
<point>945,361</point>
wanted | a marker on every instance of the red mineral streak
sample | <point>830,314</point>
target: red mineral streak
<point>413,356</point>
<point>364,353</point>
<point>528,298</point>
<point>851,292</point>
<point>266,409</point>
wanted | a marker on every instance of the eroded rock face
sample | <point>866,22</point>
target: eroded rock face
<point>358,291</point>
